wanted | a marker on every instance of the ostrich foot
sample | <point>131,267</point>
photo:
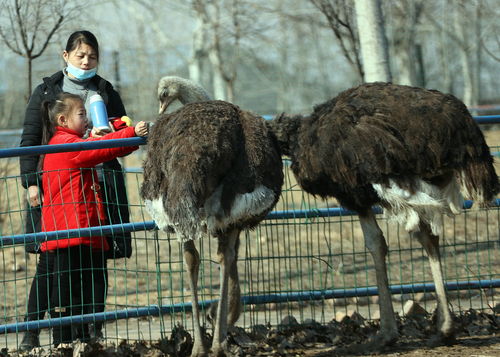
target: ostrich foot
<point>441,340</point>
<point>374,344</point>
<point>379,342</point>
<point>220,349</point>
<point>199,350</point>
<point>445,337</point>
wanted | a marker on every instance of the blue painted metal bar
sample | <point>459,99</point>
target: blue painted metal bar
<point>149,225</point>
<point>155,310</point>
<point>485,108</point>
<point>49,149</point>
<point>80,232</point>
<point>316,213</point>
<point>480,119</point>
<point>487,119</point>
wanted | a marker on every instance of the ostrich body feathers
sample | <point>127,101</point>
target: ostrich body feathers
<point>410,149</point>
<point>210,167</point>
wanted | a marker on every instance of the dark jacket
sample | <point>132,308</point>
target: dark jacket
<point>116,196</point>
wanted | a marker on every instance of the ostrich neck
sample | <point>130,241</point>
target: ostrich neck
<point>191,93</point>
<point>288,134</point>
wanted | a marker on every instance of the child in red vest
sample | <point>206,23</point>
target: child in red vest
<point>73,199</point>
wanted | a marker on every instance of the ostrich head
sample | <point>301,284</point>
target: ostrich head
<point>285,129</point>
<point>171,88</point>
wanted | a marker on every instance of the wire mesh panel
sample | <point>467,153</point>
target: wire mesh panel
<point>309,265</point>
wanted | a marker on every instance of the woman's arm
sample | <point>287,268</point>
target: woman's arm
<point>115,105</point>
<point>31,136</point>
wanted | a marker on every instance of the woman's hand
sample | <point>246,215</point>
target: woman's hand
<point>34,196</point>
<point>141,129</point>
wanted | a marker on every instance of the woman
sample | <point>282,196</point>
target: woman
<point>79,76</point>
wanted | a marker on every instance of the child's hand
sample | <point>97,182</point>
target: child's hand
<point>141,129</point>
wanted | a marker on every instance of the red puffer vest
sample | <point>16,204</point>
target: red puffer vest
<point>72,196</point>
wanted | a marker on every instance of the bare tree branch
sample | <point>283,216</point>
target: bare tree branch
<point>32,25</point>
<point>340,17</point>
<point>487,50</point>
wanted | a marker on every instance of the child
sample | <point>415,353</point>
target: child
<point>73,199</point>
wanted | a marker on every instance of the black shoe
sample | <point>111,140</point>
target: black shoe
<point>30,341</point>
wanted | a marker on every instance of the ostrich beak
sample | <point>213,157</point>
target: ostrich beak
<point>164,104</point>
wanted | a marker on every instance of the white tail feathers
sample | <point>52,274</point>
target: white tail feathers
<point>427,203</point>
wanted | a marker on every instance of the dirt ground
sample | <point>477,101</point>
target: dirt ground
<point>477,335</point>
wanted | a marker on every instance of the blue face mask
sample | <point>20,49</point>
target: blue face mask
<point>81,74</point>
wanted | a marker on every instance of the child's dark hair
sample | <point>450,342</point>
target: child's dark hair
<point>83,36</point>
<point>52,109</point>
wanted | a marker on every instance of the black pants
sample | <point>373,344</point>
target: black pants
<point>38,300</point>
<point>69,282</point>
<point>78,286</point>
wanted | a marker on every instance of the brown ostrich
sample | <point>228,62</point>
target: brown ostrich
<point>415,152</point>
<point>211,169</point>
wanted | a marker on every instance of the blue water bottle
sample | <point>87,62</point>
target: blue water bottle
<point>98,112</point>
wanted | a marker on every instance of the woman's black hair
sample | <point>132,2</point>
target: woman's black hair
<point>50,110</point>
<point>83,36</point>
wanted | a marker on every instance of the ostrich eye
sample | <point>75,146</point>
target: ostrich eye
<point>163,94</point>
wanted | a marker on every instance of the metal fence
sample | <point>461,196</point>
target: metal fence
<point>307,259</point>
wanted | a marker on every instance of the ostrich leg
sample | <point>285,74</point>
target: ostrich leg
<point>430,243</point>
<point>227,254</point>
<point>234,295</point>
<point>234,309</point>
<point>375,242</point>
<point>192,262</point>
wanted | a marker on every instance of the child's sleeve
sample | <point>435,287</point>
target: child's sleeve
<point>90,158</point>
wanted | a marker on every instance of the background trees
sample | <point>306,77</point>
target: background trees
<point>267,56</point>
<point>27,27</point>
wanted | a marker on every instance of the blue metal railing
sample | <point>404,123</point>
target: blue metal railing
<point>155,310</point>
<point>150,225</point>
<point>91,145</point>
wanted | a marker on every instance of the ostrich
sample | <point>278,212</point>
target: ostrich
<point>415,152</point>
<point>211,169</point>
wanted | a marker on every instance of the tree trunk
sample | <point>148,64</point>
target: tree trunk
<point>444,48</point>
<point>219,84</point>
<point>198,52</point>
<point>373,41</point>
<point>469,96</point>
<point>407,51</point>
<point>479,50</point>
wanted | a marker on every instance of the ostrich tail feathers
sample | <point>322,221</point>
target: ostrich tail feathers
<point>479,182</point>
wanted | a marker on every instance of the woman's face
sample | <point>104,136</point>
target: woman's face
<point>83,57</point>
<point>76,120</point>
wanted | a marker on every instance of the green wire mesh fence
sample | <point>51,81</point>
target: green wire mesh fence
<point>281,257</point>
